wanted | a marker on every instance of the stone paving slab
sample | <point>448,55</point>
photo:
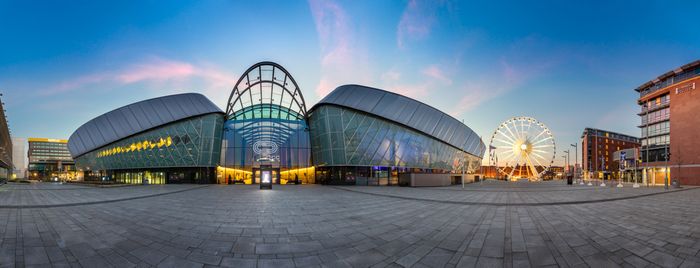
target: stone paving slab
<point>43,194</point>
<point>319,226</point>
<point>515,194</point>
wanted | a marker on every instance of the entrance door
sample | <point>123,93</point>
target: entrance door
<point>274,174</point>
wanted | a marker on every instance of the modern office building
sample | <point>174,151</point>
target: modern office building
<point>597,151</point>
<point>356,135</point>
<point>669,126</point>
<point>49,159</point>
<point>171,139</point>
<point>19,158</point>
<point>5,146</point>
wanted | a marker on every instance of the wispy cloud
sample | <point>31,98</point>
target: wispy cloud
<point>434,71</point>
<point>430,79</point>
<point>507,79</point>
<point>343,59</point>
<point>416,21</point>
<point>150,70</point>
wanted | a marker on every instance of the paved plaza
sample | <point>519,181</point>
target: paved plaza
<point>493,224</point>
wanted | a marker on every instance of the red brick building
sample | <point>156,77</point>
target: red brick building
<point>670,124</point>
<point>597,148</point>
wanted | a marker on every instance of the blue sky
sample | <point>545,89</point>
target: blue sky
<point>570,64</point>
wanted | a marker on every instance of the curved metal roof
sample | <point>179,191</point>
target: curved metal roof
<point>409,112</point>
<point>136,118</point>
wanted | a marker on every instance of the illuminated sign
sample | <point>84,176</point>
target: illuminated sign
<point>144,145</point>
<point>266,150</point>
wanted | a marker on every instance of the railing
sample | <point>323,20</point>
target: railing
<point>654,106</point>
<point>670,81</point>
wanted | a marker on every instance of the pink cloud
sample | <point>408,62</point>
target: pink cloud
<point>343,58</point>
<point>154,70</point>
<point>416,21</point>
<point>157,69</point>
<point>437,73</point>
<point>433,79</point>
<point>511,77</point>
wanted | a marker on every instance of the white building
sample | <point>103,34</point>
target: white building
<point>19,157</point>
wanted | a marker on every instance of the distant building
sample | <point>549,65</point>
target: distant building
<point>597,148</point>
<point>5,146</point>
<point>49,159</point>
<point>669,126</point>
<point>19,157</point>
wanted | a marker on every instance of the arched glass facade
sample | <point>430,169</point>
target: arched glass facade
<point>183,151</point>
<point>169,139</point>
<point>266,129</point>
<point>353,147</point>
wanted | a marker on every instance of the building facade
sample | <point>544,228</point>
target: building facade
<point>598,148</point>
<point>266,130</point>
<point>669,126</point>
<point>368,136</point>
<point>49,159</point>
<point>19,158</point>
<point>5,146</point>
<point>171,139</point>
<point>356,135</point>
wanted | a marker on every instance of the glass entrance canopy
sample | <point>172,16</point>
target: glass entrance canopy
<point>266,125</point>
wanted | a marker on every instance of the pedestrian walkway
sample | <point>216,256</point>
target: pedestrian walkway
<point>321,226</point>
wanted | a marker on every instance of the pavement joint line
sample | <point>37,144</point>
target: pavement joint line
<point>509,191</point>
<point>517,204</point>
<point>103,201</point>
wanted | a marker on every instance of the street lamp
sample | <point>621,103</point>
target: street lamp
<point>602,167</point>
<point>575,157</point>
<point>667,155</point>
<point>225,152</point>
<point>565,160</point>
<point>568,168</point>
<point>636,161</point>
<point>621,167</point>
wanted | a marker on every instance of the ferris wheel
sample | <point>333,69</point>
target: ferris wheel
<point>522,147</point>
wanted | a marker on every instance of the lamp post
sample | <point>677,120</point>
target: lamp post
<point>463,163</point>
<point>226,130</point>
<point>667,154</point>
<point>621,167</point>
<point>496,166</point>
<point>575,157</point>
<point>564,156</point>
<point>602,167</point>
<point>568,168</point>
<point>636,161</point>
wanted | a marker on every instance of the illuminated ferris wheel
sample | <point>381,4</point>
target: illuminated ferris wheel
<point>522,147</point>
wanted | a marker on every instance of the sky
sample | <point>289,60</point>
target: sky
<point>569,64</point>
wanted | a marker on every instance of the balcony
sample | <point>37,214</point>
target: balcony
<point>654,108</point>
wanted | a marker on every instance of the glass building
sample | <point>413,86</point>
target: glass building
<point>265,129</point>
<point>171,139</point>
<point>355,135</point>
<point>368,136</point>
